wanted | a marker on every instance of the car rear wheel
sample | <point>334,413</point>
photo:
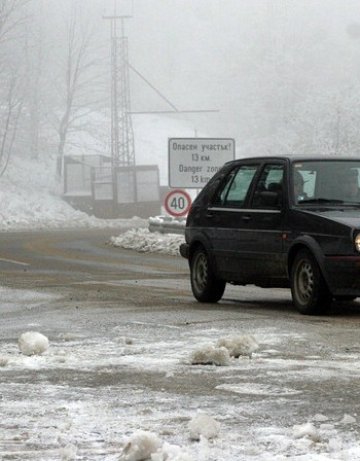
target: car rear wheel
<point>206,287</point>
<point>308,288</point>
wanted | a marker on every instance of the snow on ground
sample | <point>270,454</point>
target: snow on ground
<point>124,421</point>
<point>31,200</point>
<point>148,242</point>
<point>35,204</point>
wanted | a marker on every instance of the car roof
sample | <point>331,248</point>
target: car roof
<point>296,158</point>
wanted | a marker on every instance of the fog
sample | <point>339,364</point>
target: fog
<point>278,76</point>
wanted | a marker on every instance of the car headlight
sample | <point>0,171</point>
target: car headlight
<point>357,241</point>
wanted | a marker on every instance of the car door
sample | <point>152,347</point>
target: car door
<point>248,218</point>
<point>227,218</point>
<point>265,219</point>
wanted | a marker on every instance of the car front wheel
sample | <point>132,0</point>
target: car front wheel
<point>308,288</point>
<point>206,287</point>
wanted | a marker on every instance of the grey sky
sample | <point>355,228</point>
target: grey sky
<point>253,60</point>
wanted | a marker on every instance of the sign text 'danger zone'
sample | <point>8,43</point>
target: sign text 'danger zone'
<point>193,161</point>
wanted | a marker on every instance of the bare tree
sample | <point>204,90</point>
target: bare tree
<point>11,110</point>
<point>36,46</point>
<point>80,85</point>
<point>10,20</point>
<point>11,81</point>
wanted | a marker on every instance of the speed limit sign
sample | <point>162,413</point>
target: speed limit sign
<point>177,203</point>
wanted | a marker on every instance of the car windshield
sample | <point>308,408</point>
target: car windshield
<point>326,182</point>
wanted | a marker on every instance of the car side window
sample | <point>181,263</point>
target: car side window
<point>235,188</point>
<point>268,193</point>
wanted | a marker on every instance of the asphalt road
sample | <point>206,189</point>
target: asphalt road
<point>305,365</point>
<point>81,267</point>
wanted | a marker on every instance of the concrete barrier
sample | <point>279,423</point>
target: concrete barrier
<point>167,225</point>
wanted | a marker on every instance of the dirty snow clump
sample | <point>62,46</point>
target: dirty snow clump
<point>203,425</point>
<point>140,446</point>
<point>210,355</point>
<point>3,361</point>
<point>307,430</point>
<point>170,452</point>
<point>33,343</point>
<point>320,418</point>
<point>239,345</point>
<point>348,419</point>
<point>68,453</point>
<point>68,337</point>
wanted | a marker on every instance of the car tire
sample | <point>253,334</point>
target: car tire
<point>206,287</point>
<point>308,287</point>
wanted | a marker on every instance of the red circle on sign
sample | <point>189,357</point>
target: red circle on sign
<point>177,203</point>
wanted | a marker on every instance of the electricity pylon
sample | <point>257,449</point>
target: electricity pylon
<point>122,133</point>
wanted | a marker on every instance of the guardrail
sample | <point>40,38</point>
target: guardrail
<point>167,225</point>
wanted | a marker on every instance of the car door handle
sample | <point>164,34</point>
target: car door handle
<point>246,218</point>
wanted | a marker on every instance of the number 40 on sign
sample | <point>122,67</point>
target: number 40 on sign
<point>177,203</point>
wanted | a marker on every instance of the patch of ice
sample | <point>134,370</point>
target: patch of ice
<point>320,418</point>
<point>327,427</point>
<point>67,337</point>
<point>256,389</point>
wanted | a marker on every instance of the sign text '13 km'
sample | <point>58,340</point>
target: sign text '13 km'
<point>193,161</point>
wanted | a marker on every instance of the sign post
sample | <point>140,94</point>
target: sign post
<point>193,161</point>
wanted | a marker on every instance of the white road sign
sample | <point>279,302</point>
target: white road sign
<point>193,161</point>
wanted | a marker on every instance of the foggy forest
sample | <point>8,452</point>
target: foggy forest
<point>280,76</point>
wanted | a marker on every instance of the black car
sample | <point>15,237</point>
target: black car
<point>278,222</point>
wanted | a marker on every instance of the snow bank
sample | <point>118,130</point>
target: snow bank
<point>144,241</point>
<point>30,199</point>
